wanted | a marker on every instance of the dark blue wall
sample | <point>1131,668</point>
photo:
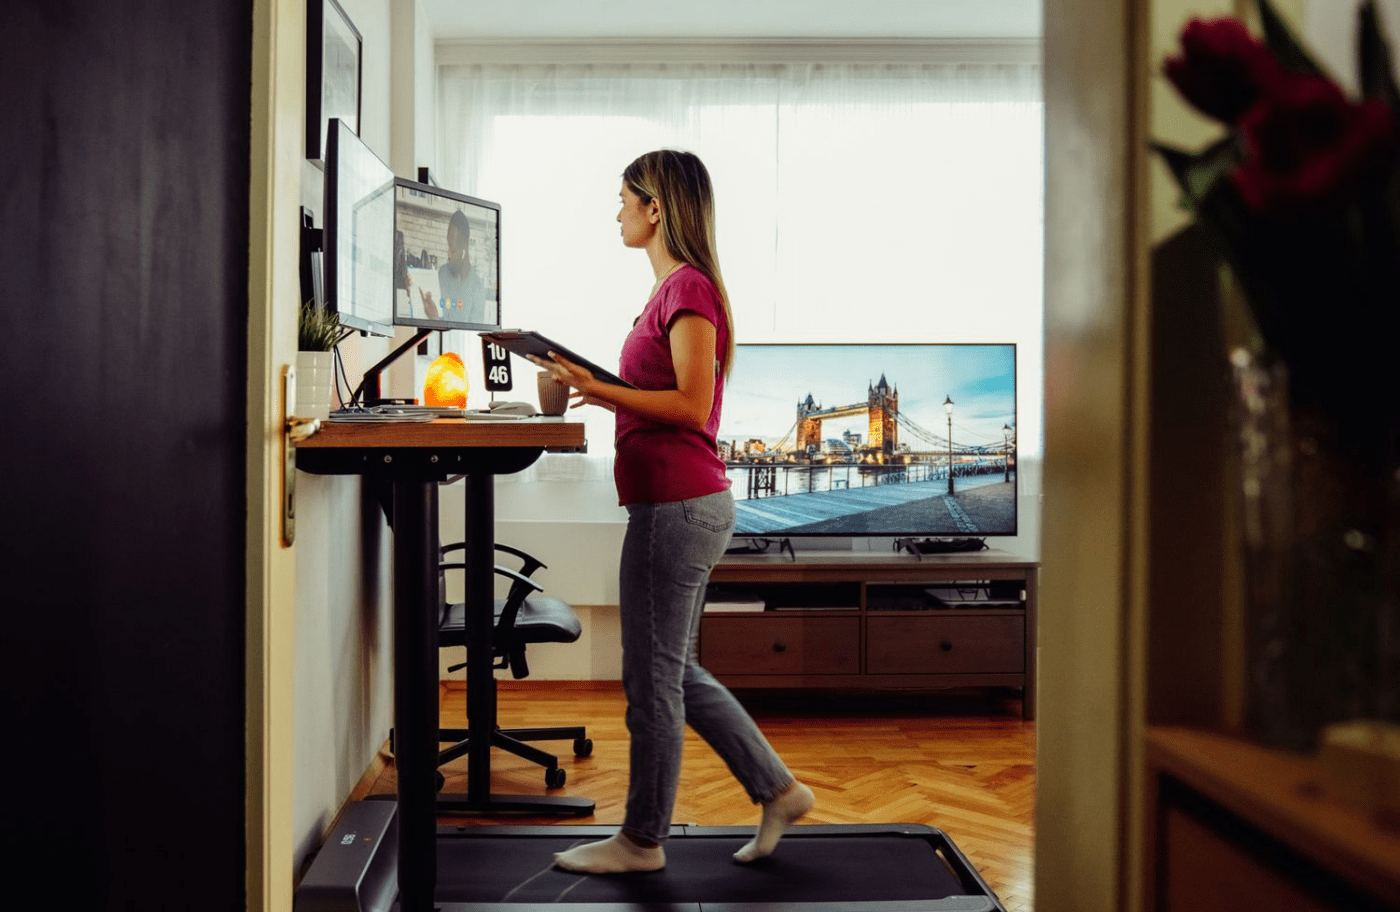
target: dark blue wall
<point>124,167</point>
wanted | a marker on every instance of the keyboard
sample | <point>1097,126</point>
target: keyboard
<point>415,413</point>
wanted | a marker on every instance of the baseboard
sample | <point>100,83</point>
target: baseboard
<point>456,684</point>
<point>382,758</point>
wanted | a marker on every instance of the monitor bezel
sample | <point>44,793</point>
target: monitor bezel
<point>340,140</point>
<point>431,189</point>
<point>913,533</point>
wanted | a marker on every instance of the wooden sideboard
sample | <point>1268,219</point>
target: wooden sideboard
<point>866,621</point>
<point>1234,826</point>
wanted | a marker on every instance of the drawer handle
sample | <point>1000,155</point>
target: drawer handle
<point>780,646</point>
<point>946,646</point>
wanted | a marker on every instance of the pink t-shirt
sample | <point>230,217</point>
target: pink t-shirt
<point>657,462</point>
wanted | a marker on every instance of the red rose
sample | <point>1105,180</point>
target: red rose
<point>1306,143</point>
<point>1221,68</point>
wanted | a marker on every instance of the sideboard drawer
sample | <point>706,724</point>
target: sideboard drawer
<point>780,645</point>
<point>940,644</point>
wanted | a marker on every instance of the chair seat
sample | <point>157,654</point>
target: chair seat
<point>541,619</point>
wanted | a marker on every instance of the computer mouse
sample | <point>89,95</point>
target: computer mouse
<point>511,408</point>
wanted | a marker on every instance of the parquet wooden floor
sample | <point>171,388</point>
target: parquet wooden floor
<point>964,763</point>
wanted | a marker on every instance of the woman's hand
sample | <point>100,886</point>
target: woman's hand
<point>579,379</point>
<point>579,399</point>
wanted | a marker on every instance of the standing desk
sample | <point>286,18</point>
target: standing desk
<point>414,458</point>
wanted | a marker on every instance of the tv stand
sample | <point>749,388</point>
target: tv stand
<point>851,622</point>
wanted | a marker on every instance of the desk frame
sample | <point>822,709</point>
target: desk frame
<point>415,458</point>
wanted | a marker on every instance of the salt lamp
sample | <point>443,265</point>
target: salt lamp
<point>446,382</point>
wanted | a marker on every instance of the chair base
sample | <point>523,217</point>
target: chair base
<point>512,740</point>
<point>541,805</point>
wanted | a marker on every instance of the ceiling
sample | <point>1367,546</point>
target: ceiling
<point>542,20</point>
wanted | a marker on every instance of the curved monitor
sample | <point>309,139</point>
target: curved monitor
<point>447,259</point>
<point>359,227</point>
<point>902,440</point>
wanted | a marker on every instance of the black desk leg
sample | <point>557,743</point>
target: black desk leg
<point>481,696</point>
<point>416,599</point>
<point>479,595</point>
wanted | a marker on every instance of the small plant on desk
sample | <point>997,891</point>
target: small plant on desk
<point>318,328</point>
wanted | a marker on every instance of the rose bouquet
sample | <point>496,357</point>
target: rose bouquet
<point>1302,197</point>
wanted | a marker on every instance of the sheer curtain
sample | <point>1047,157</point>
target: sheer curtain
<point>869,202</point>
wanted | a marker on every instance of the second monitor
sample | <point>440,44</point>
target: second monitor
<point>447,258</point>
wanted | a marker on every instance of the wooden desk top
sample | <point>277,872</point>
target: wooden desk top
<point>448,433</point>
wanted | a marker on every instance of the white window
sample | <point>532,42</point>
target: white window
<point>871,202</point>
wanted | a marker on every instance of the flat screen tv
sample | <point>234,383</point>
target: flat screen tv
<point>447,258</point>
<point>359,229</point>
<point>898,440</point>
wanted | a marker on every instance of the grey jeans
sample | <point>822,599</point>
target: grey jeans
<point>667,555</point>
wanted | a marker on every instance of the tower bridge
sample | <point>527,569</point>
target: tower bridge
<point>881,407</point>
<point>812,463</point>
<point>885,424</point>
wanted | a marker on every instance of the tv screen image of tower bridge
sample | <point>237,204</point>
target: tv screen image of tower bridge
<point>862,439</point>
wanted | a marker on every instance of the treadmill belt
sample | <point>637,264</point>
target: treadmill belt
<point>700,870</point>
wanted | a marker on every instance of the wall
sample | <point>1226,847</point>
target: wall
<point>124,233</point>
<point>343,596</point>
<point>1329,29</point>
<point>343,592</point>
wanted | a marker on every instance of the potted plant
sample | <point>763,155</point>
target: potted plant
<point>318,331</point>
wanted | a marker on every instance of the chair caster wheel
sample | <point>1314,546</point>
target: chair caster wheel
<point>554,778</point>
<point>583,747</point>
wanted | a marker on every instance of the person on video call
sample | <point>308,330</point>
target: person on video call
<point>680,516</point>
<point>459,285</point>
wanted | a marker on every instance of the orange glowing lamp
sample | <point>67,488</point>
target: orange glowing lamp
<point>446,382</point>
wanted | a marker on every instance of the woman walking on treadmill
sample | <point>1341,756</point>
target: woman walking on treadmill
<point>680,515</point>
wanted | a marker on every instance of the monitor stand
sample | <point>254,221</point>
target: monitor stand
<point>367,393</point>
<point>754,547</point>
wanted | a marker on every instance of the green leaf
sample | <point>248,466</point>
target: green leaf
<point>317,328</point>
<point>1178,161</point>
<point>1224,211</point>
<point>1197,173</point>
<point>1374,70</point>
<point>1285,47</point>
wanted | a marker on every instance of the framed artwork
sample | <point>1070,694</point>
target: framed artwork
<point>333,63</point>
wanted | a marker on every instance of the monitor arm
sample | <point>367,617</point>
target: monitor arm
<point>367,393</point>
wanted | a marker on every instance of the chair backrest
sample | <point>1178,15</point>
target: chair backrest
<point>549,619</point>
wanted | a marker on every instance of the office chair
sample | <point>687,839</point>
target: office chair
<point>523,617</point>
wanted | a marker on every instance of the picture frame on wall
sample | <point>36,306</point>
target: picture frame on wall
<point>334,54</point>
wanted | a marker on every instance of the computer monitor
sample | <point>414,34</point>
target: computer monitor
<point>447,259</point>
<point>359,228</point>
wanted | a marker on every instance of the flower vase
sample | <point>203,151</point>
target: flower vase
<point>315,379</point>
<point>1320,548</point>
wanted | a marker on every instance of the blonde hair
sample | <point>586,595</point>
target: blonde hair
<point>682,185</point>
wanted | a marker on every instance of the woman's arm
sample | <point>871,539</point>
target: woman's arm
<point>688,406</point>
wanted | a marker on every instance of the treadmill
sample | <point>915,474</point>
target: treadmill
<point>491,868</point>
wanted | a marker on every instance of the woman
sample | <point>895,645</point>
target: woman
<point>680,516</point>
